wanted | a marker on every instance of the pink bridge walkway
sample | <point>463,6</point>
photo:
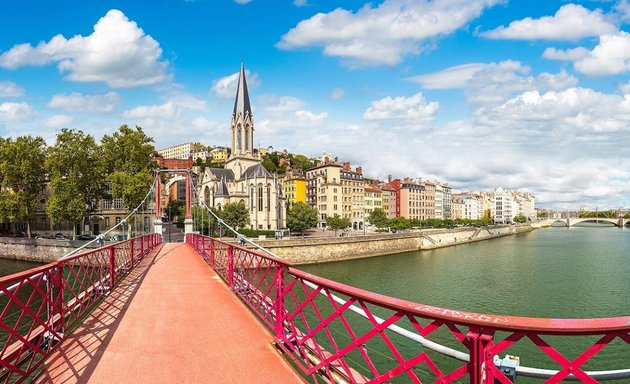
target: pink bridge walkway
<point>171,320</point>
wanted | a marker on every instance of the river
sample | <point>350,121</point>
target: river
<point>554,272</point>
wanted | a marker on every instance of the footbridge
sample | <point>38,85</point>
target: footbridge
<point>215,311</point>
<point>619,222</point>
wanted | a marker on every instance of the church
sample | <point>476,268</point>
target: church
<point>244,179</point>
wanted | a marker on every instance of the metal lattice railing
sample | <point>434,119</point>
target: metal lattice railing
<point>337,333</point>
<point>40,305</point>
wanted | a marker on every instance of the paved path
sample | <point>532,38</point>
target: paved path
<point>172,320</point>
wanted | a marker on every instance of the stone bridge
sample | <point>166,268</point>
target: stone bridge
<point>619,222</point>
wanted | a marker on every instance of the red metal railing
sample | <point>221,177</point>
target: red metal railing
<point>41,304</point>
<point>337,333</point>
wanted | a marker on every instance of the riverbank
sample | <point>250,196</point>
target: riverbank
<point>329,249</point>
<point>37,250</point>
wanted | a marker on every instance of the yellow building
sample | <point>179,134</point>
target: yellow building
<point>294,185</point>
<point>373,199</point>
<point>323,191</point>
<point>219,155</point>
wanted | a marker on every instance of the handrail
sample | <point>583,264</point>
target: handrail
<point>519,326</point>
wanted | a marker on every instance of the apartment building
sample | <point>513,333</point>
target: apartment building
<point>473,205</point>
<point>294,185</point>
<point>353,195</point>
<point>526,204</point>
<point>389,200</point>
<point>503,211</point>
<point>324,191</point>
<point>373,199</point>
<point>179,151</point>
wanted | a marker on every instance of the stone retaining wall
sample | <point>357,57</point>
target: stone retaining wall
<point>37,250</point>
<point>326,249</point>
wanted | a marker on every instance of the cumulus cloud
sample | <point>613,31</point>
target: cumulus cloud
<point>10,89</point>
<point>225,87</point>
<point>310,117</point>
<point>243,2</point>
<point>118,53</point>
<point>414,108</point>
<point>166,110</point>
<point>58,121</point>
<point>280,104</point>
<point>15,112</point>
<point>300,3</point>
<point>623,10</point>
<point>611,56</point>
<point>85,103</point>
<point>384,34</point>
<point>571,22</point>
<point>625,87</point>
<point>573,54</point>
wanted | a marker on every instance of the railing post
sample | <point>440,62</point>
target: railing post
<point>279,303</point>
<point>203,248</point>
<point>212,253</point>
<point>480,368</point>
<point>230,252</point>
<point>131,253</point>
<point>112,267</point>
<point>59,300</point>
<point>142,239</point>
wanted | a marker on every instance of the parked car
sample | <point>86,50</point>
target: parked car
<point>60,236</point>
<point>85,237</point>
<point>116,238</point>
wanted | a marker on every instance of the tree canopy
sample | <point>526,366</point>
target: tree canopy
<point>301,217</point>
<point>23,174</point>
<point>235,215</point>
<point>378,217</point>
<point>77,176</point>
<point>338,223</point>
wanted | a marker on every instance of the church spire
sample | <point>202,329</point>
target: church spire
<point>241,104</point>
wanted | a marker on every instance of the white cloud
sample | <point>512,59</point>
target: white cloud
<point>280,104</point>
<point>382,35</point>
<point>566,55</point>
<point>414,108</point>
<point>85,103</point>
<point>571,22</point>
<point>118,52</point>
<point>166,110</point>
<point>243,2</point>
<point>300,3</point>
<point>15,112</point>
<point>225,87</point>
<point>610,57</point>
<point>449,78</point>
<point>337,94</point>
<point>623,10</point>
<point>310,117</point>
<point>10,89</point>
<point>58,121</point>
<point>625,87</point>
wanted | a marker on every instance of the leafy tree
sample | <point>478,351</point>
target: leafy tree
<point>301,217</point>
<point>174,208</point>
<point>127,154</point>
<point>520,219</point>
<point>378,217</point>
<point>77,177</point>
<point>203,219</point>
<point>269,165</point>
<point>23,177</point>
<point>542,214</point>
<point>235,215</point>
<point>399,223</point>
<point>338,223</point>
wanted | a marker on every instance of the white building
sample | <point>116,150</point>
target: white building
<point>504,207</point>
<point>179,151</point>
<point>526,204</point>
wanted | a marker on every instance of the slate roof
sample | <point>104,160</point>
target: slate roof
<point>222,173</point>
<point>241,104</point>
<point>256,171</point>
<point>223,189</point>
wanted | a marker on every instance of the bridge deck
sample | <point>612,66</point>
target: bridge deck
<point>172,320</point>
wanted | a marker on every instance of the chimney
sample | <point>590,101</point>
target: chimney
<point>389,178</point>
<point>346,166</point>
<point>359,170</point>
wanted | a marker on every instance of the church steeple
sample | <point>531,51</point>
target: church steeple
<point>242,124</point>
<point>241,104</point>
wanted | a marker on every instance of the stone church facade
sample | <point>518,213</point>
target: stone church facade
<point>244,179</point>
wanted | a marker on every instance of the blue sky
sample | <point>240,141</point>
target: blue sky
<point>526,95</point>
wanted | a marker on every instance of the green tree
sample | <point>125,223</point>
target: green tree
<point>399,223</point>
<point>77,177</point>
<point>378,217</point>
<point>520,219</point>
<point>174,208</point>
<point>203,219</point>
<point>235,215</point>
<point>542,214</point>
<point>269,165</point>
<point>127,154</point>
<point>23,176</point>
<point>301,217</point>
<point>337,223</point>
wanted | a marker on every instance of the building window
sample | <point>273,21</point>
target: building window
<point>260,197</point>
<point>251,198</point>
<point>118,203</point>
<point>247,137</point>
<point>107,204</point>
<point>107,222</point>
<point>268,198</point>
<point>239,137</point>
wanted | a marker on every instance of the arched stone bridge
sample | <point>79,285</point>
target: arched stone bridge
<point>619,222</point>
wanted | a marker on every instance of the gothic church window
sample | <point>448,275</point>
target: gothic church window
<point>260,197</point>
